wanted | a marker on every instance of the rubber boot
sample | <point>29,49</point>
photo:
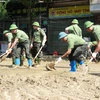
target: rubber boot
<point>37,60</point>
<point>29,62</point>
<point>81,62</point>
<point>17,61</point>
<point>73,66</point>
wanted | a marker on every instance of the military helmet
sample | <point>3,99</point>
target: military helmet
<point>6,31</point>
<point>74,21</point>
<point>62,35</point>
<point>13,26</point>
<point>87,24</point>
<point>36,24</point>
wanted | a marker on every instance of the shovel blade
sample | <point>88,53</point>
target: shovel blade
<point>50,66</point>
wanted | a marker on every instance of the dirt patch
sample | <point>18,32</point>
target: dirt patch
<point>39,84</point>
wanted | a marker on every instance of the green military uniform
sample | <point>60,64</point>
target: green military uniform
<point>21,35</point>
<point>38,35</point>
<point>75,29</point>
<point>74,41</point>
<point>23,42</point>
<point>10,37</point>
<point>77,45</point>
<point>37,43</point>
<point>96,32</point>
<point>38,39</point>
<point>23,38</point>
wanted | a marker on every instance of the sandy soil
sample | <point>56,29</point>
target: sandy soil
<point>39,84</point>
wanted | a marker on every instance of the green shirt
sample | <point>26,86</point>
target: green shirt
<point>38,35</point>
<point>21,36</point>
<point>74,41</point>
<point>75,29</point>
<point>96,32</point>
<point>10,37</point>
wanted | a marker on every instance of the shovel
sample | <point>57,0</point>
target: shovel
<point>38,53</point>
<point>92,58</point>
<point>4,57</point>
<point>50,66</point>
<point>3,54</point>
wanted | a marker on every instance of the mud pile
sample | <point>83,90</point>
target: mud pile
<point>39,84</point>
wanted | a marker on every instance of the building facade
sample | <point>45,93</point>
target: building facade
<point>60,17</point>
<point>54,17</point>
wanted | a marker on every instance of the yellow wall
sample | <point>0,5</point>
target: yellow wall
<point>79,11</point>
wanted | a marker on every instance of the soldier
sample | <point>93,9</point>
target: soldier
<point>38,40</point>
<point>76,46</point>
<point>95,30</point>
<point>9,36</point>
<point>74,28</point>
<point>10,39</point>
<point>21,41</point>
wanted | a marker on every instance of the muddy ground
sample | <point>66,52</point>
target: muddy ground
<point>39,84</point>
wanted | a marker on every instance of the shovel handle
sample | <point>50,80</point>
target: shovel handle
<point>38,52</point>
<point>92,58</point>
<point>2,54</point>
<point>56,62</point>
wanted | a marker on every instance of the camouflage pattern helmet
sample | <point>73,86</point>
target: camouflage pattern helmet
<point>6,31</point>
<point>36,24</point>
<point>87,24</point>
<point>13,26</point>
<point>74,21</point>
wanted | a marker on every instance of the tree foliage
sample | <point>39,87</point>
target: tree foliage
<point>33,2</point>
<point>28,3</point>
<point>3,11</point>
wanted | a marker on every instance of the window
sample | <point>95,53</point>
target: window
<point>94,1</point>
